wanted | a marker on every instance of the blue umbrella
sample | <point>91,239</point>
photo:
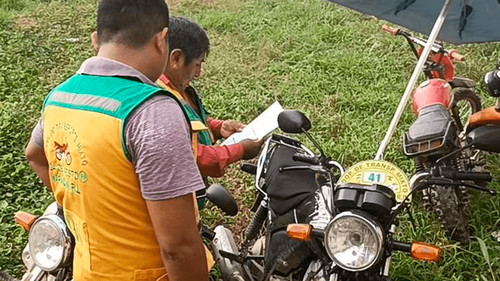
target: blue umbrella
<point>455,21</point>
<point>467,21</point>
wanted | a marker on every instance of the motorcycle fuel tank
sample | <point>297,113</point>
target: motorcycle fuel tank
<point>434,91</point>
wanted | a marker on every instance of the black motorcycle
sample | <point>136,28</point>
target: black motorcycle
<point>310,226</point>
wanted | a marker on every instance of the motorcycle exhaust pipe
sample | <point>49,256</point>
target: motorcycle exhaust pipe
<point>223,240</point>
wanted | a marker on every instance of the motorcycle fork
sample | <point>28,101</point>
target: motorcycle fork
<point>34,274</point>
<point>385,270</point>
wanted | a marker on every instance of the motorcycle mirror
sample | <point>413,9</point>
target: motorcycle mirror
<point>485,138</point>
<point>293,122</point>
<point>220,197</point>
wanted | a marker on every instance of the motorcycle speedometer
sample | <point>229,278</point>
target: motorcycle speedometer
<point>354,241</point>
<point>49,242</point>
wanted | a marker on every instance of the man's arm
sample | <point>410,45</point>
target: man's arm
<point>215,125</point>
<point>35,155</point>
<point>175,226</point>
<point>213,160</point>
<point>158,139</point>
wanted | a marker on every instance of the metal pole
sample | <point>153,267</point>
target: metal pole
<point>413,80</point>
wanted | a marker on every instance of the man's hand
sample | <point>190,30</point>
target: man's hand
<point>230,127</point>
<point>251,148</point>
<point>182,250</point>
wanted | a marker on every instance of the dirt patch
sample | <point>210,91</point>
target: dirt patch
<point>25,23</point>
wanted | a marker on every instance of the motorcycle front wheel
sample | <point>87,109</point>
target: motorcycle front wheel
<point>450,204</point>
<point>465,103</point>
<point>6,277</point>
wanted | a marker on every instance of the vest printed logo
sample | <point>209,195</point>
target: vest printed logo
<point>62,154</point>
<point>67,158</point>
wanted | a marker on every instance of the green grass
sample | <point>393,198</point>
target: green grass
<point>335,65</point>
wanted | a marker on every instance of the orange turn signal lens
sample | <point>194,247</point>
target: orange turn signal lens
<point>25,220</point>
<point>299,231</point>
<point>425,252</point>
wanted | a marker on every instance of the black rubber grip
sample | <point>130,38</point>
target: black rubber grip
<point>256,224</point>
<point>249,168</point>
<point>207,232</point>
<point>306,158</point>
<point>472,176</point>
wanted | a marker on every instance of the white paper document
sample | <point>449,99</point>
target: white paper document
<point>265,123</point>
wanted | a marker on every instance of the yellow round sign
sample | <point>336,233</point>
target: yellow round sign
<point>379,172</point>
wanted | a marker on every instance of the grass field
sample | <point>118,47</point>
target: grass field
<point>336,66</point>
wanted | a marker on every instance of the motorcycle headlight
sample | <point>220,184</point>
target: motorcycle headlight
<point>354,241</point>
<point>49,242</point>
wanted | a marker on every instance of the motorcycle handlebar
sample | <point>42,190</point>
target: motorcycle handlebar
<point>306,158</point>
<point>249,168</point>
<point>390,29</point>
<point>472,176</point>
<point>401,246</point>
<point>454,55</point>
<point>448,177</point>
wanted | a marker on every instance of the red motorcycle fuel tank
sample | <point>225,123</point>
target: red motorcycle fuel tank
<point>429,92</point>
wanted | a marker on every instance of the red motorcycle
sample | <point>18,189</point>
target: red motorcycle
<point>443,104</point>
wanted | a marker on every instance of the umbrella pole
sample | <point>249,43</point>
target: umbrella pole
<point>413,80</point>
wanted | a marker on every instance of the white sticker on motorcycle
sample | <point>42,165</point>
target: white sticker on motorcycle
<point>374,177</point>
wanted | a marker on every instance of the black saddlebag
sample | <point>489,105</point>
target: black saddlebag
<point>287,189</point>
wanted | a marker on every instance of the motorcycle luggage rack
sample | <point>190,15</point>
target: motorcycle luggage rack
<point>425,146</point>
<point>422,146</point>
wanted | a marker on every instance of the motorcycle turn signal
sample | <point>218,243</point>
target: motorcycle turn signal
<point>299,231</point>
<point>303,232</point>
<point>25,220</point>
<point>425,252</point>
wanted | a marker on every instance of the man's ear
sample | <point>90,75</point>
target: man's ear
<point>95,41</point>
<point>161,41</point>
<point>176,59</point>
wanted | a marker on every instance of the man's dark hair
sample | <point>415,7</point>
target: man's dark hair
<point>130,22</point>
<point>189,37</point>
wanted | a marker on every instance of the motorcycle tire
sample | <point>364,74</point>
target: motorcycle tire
<point>6,277</point>
<point>447,202</point>
<point>465,103</point>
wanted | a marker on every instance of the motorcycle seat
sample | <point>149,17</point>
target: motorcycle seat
<point>432,122</point>
<point>462,82</point>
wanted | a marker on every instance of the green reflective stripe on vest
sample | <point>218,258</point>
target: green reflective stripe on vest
<point>113,96</point>
<point>85,101</point>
